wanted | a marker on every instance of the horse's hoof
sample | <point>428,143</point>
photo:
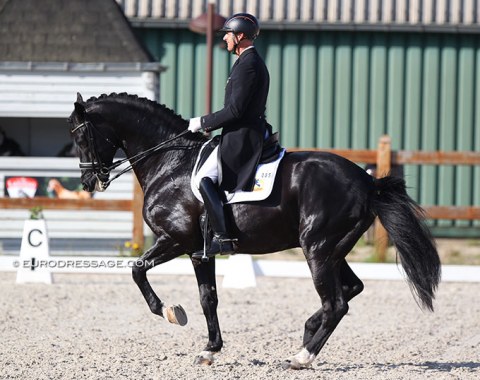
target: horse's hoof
<point>294,364</point>
<point>176,314</point>
<point>302,360</point>
<point>291,364</point>
<point>204,358</point>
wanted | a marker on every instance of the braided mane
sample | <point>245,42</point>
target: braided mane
<point>136,99</point>
<point>161,112</point>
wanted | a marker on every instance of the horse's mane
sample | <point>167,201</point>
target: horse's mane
<point>136,99</point>
<point>161,112</point>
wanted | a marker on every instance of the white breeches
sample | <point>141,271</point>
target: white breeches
<point>208,169</point>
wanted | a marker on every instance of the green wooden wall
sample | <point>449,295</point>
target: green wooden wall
<point>345,89</point>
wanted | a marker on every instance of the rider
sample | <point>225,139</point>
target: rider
<point>244,128</point>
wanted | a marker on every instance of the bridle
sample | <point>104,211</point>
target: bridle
<point>102,171</point>
<point>97,166</point>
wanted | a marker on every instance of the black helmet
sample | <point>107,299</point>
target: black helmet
<point>242,23</point>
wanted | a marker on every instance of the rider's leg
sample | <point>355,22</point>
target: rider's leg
<point>206,180</point>
<point>221,242</point>
<point>208,169</point>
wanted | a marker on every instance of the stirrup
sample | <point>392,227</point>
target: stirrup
<point>205,254</point>
<point>223,241</point>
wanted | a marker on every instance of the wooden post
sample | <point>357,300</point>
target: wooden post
<point>210,33</point>
<point>137,207</point>
<point>384,160</point>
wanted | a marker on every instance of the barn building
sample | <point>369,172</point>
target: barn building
<point>343,73</point>
<point>49,51</point>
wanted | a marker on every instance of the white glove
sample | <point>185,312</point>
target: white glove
<point>195,125</point>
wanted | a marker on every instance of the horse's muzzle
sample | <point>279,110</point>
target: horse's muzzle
<point>89,181</point>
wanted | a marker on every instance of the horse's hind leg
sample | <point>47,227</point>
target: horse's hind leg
<point>326,278</point>
<point>205,273</point>
<point>327,264</point>
<point>351,287</point>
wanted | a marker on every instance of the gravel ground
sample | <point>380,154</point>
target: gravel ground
<point>99,327</point>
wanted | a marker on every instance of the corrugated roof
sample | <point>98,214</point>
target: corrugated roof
<point>67,31</point>
<point>436,15</point>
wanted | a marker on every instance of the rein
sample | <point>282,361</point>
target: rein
<point>138,157</point>
<point>102,171</point>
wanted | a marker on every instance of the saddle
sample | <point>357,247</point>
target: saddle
<point>264,175</point>
<point>271,150</point>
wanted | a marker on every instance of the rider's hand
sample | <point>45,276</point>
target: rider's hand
<point>195,125</point>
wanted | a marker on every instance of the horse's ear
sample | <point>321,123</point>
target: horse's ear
<point>79,98</point>
<point>79,108</point>
<point>80,105</point>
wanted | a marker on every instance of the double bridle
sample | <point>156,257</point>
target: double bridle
<point>99,168</point>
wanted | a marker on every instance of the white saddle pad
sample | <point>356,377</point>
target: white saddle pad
<point>264,179</point>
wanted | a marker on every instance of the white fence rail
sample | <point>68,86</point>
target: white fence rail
<point>66,224</point>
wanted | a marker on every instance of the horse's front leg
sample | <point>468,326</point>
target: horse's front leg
<point>160,253</point>
<point>205,273</point>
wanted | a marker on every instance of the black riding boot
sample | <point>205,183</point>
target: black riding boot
<point>221,242</point>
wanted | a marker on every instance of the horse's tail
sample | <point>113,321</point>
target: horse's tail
<point>403,218</point>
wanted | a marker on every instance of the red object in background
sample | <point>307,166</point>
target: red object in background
<point>21,187</point>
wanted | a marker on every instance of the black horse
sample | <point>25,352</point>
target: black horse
<point>321,202</point>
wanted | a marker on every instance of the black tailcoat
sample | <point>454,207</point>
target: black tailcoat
<point>243,121</point>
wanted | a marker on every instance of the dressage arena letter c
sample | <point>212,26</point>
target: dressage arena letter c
<point>30,238</point>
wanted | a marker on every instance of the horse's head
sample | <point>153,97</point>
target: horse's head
<point>96,146</point>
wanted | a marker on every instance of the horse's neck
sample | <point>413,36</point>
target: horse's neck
<point>170,160</point>
<point>137,138</point>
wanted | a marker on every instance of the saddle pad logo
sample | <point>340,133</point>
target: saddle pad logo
<point>258,185</point>
<point>265,174</point>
